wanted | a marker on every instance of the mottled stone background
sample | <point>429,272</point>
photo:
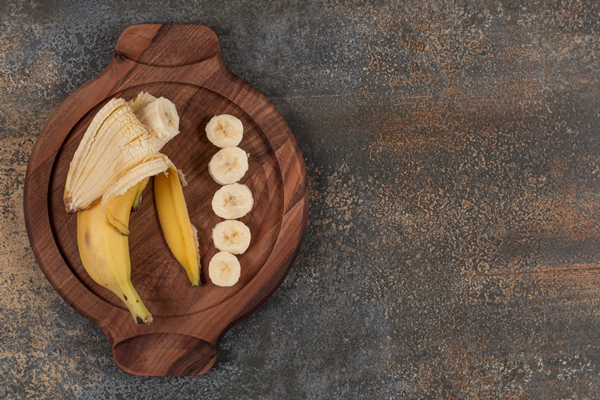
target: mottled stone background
<point>453,244</point>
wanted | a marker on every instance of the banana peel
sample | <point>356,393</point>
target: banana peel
<point>116,157</point>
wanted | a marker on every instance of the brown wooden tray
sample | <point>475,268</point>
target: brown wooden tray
<point>184,64</point>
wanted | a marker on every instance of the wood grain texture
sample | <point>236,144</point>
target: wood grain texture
<point>182,63</point>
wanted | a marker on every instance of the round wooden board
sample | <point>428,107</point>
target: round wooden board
<point>184,64</point>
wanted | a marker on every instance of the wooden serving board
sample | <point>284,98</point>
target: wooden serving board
<point>184,64</point>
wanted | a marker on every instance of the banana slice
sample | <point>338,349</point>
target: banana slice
<point>224,269</point>
<point>232,201</point>
<point>231,236</point>
<point>228,165</point>
<point>224,130</point>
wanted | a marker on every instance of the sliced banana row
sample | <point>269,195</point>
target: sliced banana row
<point>232,201</point>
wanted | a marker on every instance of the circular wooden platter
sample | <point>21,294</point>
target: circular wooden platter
<point>184,64</point>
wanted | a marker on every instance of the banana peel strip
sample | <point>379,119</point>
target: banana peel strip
<point>151,166</point>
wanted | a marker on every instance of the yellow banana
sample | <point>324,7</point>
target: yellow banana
<point>104,251</point>
<point>180,234</point>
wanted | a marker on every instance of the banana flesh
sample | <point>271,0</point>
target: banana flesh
<point>181,236</point>
<point>231,236</point>
<point>162,128</point>
<point>224,269</point>
<point>104,252</point>
<point>232,201</point>
<point>228,165</point>
<point>224,130</point>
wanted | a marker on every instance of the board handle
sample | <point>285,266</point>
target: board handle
<point>166,45</point>
<point>165,354</point>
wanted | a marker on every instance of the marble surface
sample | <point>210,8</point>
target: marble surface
<point>453,242</point>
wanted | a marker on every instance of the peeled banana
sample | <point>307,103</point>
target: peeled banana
<point>119,152</point>
<point>232,201</point>
<point>117,155</point>
<point>228,165</point>
<point>104,252</point>
<point>224,269</point>
<point>180,234</point>
<point>231,236</point>
<point>224,130</point>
